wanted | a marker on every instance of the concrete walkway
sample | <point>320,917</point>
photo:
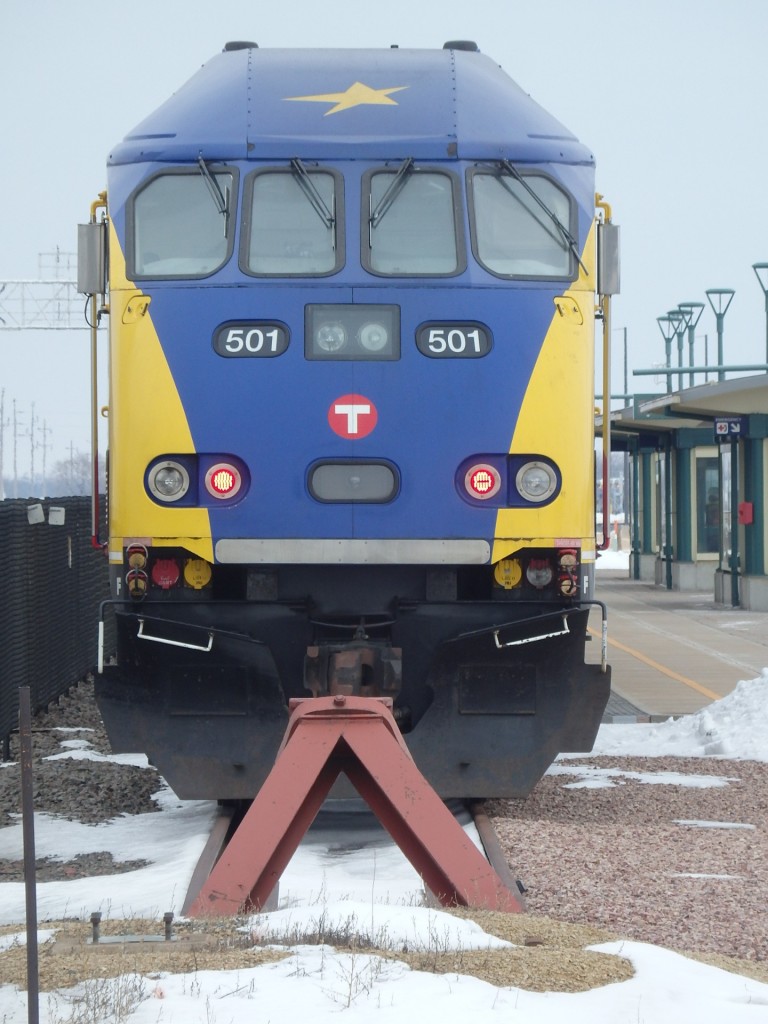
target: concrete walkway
<point>673,653</point>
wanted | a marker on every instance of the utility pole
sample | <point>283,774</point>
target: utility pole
<point>71,466</point>
<point>32,450</point>
<point>50,303</point>
<point>2,442</point>
<point>45,431</point>
<point>15,451</point>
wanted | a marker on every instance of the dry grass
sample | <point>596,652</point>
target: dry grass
<point>549,955</point>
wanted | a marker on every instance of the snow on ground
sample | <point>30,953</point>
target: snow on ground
<point>734,727</point>
<point>315,983</point>
<point>381,891</point>
<point>611,559</point>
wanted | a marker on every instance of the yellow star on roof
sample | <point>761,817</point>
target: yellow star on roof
<point>356,95</point>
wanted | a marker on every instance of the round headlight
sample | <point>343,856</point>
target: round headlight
<point>536,481</point>
<point>168,481</point>
<point>331,337</point>
<point>373,337</point>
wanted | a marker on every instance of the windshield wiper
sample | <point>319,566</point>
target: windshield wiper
<point>213,187</point>
<point>565,234</point>
<point>393,190</point>
<point>310,190</point>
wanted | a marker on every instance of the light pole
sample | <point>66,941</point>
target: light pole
<point>667,328</point>
<point>692,312</point>
<point>761,273</point>
<point>720,299</point>
<point>678,322</point>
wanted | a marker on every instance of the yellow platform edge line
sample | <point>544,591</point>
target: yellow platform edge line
<point>661,668</point>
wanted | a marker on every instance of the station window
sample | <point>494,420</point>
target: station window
<point>521,225</point>
<point>292,223</point>
<point>410,226</point>
<point>180,224</point>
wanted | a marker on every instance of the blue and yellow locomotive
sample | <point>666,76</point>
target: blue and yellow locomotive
<point>351,302</point>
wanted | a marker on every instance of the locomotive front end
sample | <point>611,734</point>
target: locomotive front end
<point>351,324</point>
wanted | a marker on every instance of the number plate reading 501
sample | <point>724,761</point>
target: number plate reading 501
<point>253,338</point>
<point>453,340</point>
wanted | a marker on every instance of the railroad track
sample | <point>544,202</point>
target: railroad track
<point>344,842</point>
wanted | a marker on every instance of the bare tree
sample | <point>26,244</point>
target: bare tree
<point>72,476</point>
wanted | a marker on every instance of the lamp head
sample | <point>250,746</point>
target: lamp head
<point>720,299</point>
<point>692,312</point>
<point>666,326</point>
<point>761,273</point>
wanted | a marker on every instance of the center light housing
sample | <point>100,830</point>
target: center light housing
<point>351,331</point>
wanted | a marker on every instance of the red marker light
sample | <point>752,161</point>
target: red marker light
<point>165,573</point>
<point>482,481</point>
<point>539,573</point>
<point>223,480</point>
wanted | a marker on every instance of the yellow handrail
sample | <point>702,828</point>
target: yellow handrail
<point>604,303</point>
<point>99,203</point>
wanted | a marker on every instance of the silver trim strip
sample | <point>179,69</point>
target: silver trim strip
<point>343,551</point>
<point>532,639</point>
<point>174,643</point>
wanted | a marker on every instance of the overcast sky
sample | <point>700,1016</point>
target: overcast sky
<point>670,95</point>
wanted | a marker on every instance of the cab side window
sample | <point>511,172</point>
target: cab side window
<point>178,227</point>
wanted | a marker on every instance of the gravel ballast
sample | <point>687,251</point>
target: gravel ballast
<point>676,865</point>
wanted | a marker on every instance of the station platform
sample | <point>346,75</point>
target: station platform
<point>672,653</point>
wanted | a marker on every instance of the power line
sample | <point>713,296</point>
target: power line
<point>50,303</point>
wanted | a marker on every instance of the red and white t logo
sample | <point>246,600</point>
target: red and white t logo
<point>352,416</point>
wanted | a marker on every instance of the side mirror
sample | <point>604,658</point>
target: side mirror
<point>608,264</point>
<point>92,258</point>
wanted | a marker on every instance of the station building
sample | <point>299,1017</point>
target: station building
<point>698,488</point>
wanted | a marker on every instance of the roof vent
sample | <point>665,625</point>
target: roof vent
<point>239,44</point>
<point>461,44</point>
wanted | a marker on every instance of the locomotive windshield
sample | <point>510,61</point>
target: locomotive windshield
<point>412,223</point>
<point>178,230</point>
<point>291,223</point>
<point>520,225</point>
